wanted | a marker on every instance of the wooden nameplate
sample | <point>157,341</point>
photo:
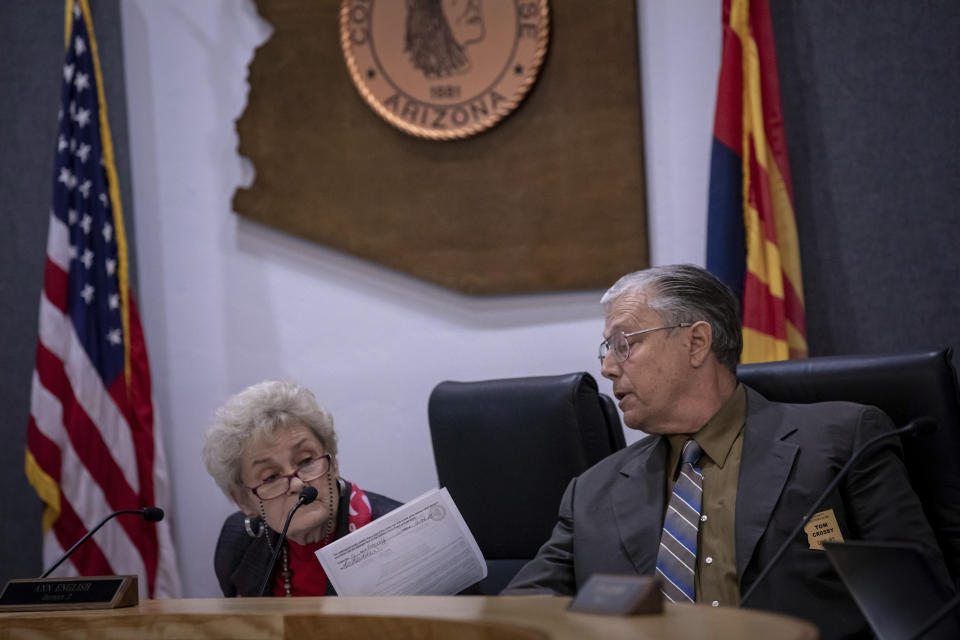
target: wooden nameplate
<point>49,594</point>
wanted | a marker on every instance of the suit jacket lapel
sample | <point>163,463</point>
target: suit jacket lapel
<point>638,495</point>
<point>764,467</point>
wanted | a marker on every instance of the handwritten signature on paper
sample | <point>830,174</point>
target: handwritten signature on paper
<point>362,554</point>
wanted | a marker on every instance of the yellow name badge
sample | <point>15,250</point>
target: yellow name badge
<point>823,528</point>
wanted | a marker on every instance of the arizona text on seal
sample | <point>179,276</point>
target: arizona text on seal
<point>444,69</point>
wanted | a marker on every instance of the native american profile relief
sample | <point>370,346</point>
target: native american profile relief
<point>438,33</point>
<point>444,69</point>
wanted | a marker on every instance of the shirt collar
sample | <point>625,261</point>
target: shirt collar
<point>716,438</point>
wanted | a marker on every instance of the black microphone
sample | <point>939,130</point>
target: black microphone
<point>920,426</point>
<point>150,514</point>
<point>307,495</point>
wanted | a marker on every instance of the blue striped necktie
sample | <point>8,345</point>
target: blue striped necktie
<point>677,556</point>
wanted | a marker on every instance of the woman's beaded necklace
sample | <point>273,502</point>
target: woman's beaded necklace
<point>286,574</point>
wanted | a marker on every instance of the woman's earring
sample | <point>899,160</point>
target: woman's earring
<point>248,526</point>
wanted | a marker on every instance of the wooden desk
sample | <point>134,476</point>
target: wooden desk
<point>436,618</point>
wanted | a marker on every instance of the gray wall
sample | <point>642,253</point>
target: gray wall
<point>31,48</point>
<point>870,95</point>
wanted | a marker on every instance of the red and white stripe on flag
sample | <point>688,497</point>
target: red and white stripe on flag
<point>92,442</point>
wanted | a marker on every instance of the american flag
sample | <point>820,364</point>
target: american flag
<point>92,443</point>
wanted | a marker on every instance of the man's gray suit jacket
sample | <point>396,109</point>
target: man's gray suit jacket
<point>611,516</point>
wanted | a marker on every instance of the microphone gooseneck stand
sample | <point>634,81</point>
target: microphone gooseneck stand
<point>307,495</point>
<point>920,426</point>
<point>150,514</point>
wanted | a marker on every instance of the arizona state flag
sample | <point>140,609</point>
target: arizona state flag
<point>751,231</point>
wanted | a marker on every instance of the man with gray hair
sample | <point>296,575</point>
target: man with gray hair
<point>706,502</point>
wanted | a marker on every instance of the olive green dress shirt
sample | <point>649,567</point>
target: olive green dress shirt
<point>721,439</point>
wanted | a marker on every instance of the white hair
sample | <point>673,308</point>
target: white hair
<point>688,293</point>
<point>257,412</point>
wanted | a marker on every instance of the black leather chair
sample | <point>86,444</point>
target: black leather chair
<point>506,449</point>
<point>905,386</point>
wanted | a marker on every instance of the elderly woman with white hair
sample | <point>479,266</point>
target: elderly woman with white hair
<point>265,445</point>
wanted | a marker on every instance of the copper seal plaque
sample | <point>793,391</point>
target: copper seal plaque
<point>443,69</point>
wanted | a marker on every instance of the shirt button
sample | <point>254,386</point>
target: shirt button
<point>715,603</point>
<point>708,560</point>
<point>703,518</point>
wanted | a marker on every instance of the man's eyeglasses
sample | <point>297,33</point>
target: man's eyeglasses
<point>277,486</point>
<point>620,346</point>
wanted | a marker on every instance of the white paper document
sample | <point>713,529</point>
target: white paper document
<point>422,548</point>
